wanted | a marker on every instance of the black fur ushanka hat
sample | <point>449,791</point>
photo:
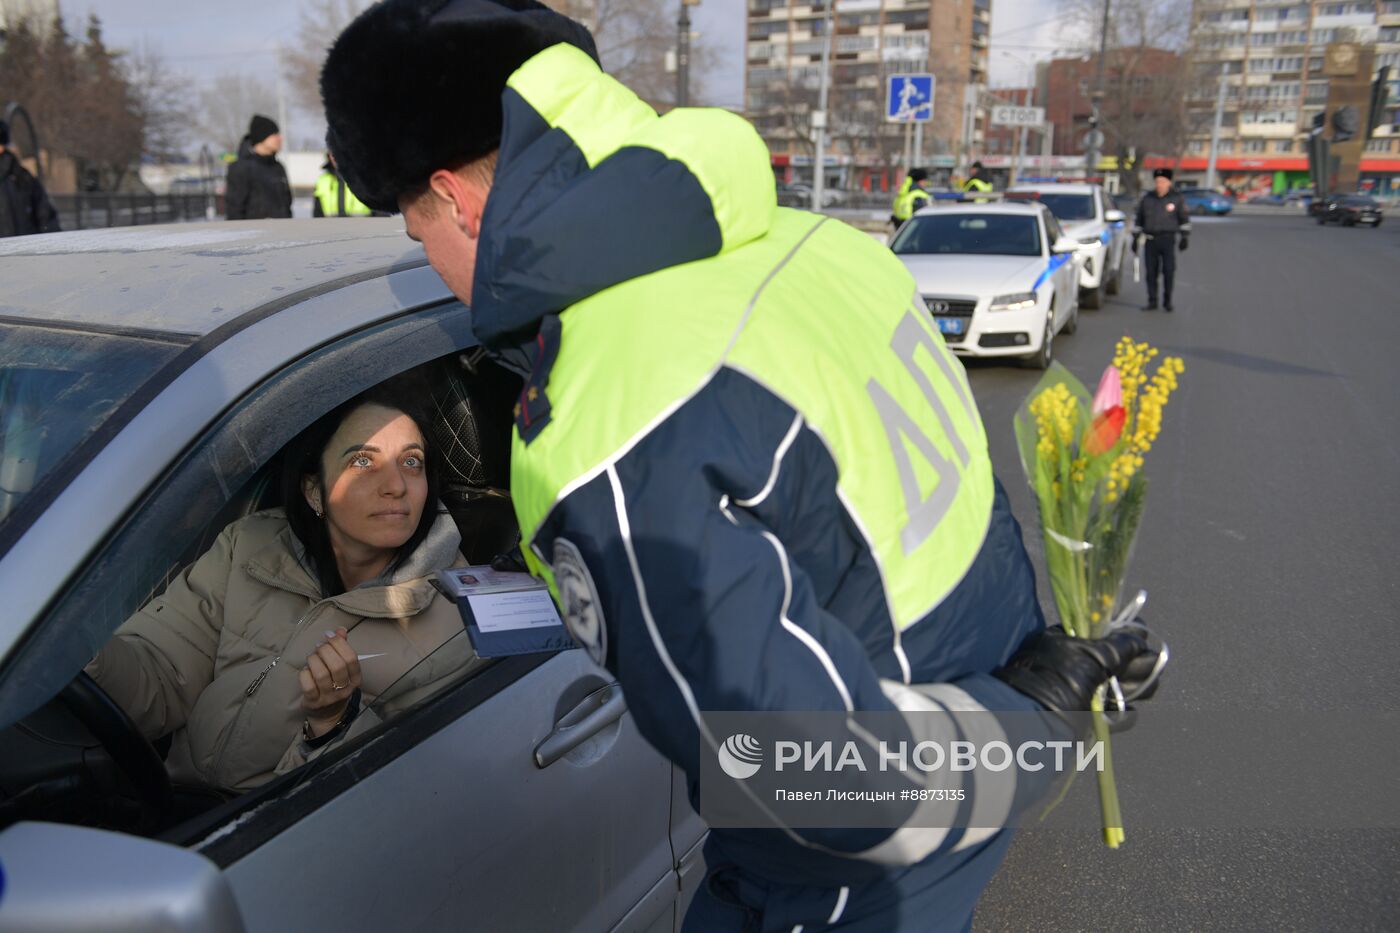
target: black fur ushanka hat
<point>412,86</point>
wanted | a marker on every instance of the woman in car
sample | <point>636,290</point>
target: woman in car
<point>304,625</point>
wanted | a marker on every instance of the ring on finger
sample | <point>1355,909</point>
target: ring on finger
<point>336,686</point>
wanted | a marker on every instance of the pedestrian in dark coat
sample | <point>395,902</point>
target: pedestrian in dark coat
<point>257,182</point>
<point>1161,217</point>
<point>24,206</point>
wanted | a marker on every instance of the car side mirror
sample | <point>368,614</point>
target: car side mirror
<point>67,877</point>
<point>1065,245</point>
<point>1115,216</point>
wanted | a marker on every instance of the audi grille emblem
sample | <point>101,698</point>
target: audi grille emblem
<point>938,307</point>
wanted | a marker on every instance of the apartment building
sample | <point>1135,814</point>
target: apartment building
<point>870,39</point>
<point>1271,53</point>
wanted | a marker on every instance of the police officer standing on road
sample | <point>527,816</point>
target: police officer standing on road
<point>1161,217</point>
<point>913,194</point>
<point>710,466</point>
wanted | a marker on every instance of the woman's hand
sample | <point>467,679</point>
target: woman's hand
<point>331,676</point>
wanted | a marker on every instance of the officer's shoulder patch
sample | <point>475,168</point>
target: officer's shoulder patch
<point>582,610</point>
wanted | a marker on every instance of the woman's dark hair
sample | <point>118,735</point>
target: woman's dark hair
<point>303,456</point>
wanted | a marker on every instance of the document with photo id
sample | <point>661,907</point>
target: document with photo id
<point>505,613</point>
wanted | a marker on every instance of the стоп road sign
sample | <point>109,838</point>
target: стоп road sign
<point>1011,115</point>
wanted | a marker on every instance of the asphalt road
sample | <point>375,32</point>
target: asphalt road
<point>1269,551</point>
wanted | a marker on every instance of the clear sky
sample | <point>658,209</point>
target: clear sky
<point>204,38</point>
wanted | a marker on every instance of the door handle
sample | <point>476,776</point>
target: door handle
<point>596,712</point>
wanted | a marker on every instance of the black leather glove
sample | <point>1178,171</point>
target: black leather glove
<point>1185,242</point>
<point>1062,673</point>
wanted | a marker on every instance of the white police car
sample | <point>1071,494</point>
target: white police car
<point>1000,280</point>
<point>1099,228</point>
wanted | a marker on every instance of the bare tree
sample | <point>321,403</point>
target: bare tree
<point>229,102</point>
<point>320,22</point>
<point>1143,109</point>
<point>162,100</point>
<point>636,39</point>
<point>78,93</point>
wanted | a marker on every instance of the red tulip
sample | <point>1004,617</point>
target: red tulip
<point>1104,431</point>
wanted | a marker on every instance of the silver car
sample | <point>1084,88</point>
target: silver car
<point>169,365</point>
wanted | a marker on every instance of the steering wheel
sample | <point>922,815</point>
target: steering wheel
<point>131,751</point>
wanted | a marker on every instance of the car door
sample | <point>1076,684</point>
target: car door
<point>519,798</point>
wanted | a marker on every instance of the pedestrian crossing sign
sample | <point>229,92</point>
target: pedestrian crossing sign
<point>909,98</point>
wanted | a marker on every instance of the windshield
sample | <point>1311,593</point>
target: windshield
<point>970,234</point>
<point>1068,206</point>
<point>56,388</point>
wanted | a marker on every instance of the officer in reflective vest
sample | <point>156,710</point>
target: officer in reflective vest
<point>334,198</point>
<point>912,195</point>
<point>744,461</point>
<point>976,182</point>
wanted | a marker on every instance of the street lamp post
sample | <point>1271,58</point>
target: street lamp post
<point>683,54</point>
<point>819,117</point>
<point>1092,154</point>
<point>1028,102</point>
<point>1215,131</point>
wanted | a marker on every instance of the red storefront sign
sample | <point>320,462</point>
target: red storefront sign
<point>1256,164</point>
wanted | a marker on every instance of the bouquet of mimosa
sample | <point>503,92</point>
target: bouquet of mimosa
<point>1084,457</point>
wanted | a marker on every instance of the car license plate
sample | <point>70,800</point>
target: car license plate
<point>950,325</point>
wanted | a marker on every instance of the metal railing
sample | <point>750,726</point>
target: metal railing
<point>84,211</point>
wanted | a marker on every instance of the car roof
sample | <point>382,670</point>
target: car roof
<point>191,278</point>
<point>1063,187</point>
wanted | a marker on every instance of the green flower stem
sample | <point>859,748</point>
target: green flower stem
<point>1112,816</point>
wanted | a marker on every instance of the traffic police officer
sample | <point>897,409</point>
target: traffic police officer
<point>333,198</point>
<point>1161,218</point>
<point>912,195</point>
<point>975,182</point>
<point>712,462</point>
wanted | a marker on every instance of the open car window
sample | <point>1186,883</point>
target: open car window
<point>171,543</point>
<point>447,664</point>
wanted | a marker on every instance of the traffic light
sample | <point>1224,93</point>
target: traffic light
<point>1380,95</point>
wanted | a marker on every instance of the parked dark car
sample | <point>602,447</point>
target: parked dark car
<point>1350,210</point>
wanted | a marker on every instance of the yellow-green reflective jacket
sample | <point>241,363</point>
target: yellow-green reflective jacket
<point>910,198</point>
<point>745,462</point>
<point>335,198</point>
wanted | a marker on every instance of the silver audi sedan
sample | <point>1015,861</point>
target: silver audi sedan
<point>148,379</point>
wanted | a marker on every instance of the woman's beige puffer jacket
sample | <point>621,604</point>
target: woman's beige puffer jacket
<point>215,658</point>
